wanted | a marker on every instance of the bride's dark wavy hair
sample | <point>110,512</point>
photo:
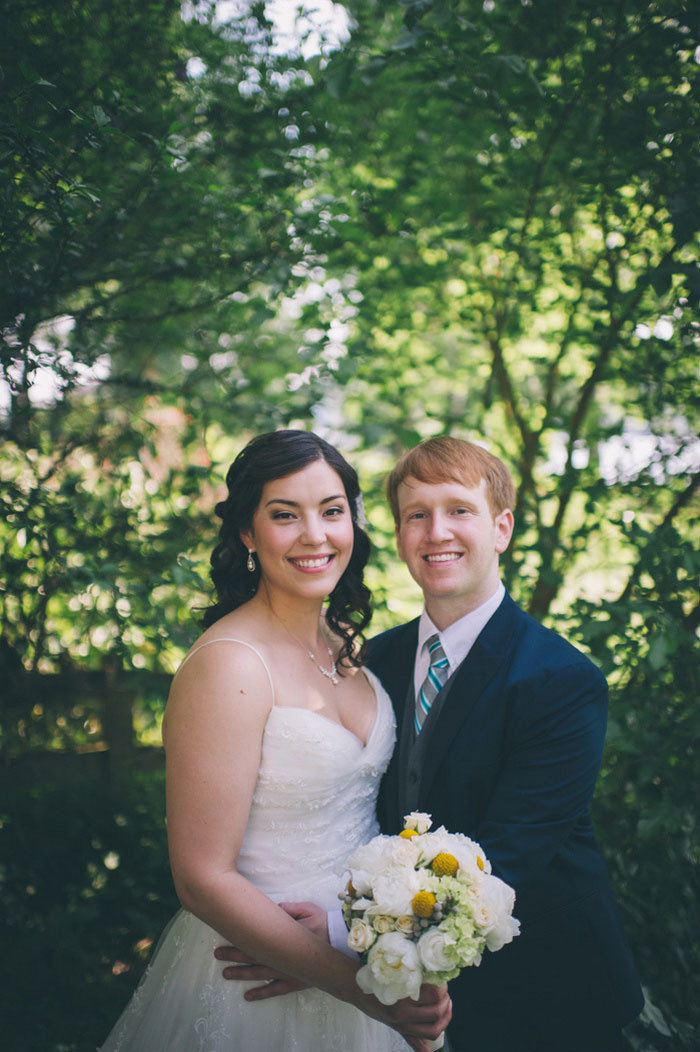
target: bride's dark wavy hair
<point>276,455</point>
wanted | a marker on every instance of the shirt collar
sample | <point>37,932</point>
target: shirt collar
<point>459,637</point>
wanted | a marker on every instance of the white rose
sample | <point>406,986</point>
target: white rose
<point>360,936</point>
<point>418,820</point>
<point>434,950</point>
<point>393,969</point>
<point>405,923</point>
<point>383,924</point>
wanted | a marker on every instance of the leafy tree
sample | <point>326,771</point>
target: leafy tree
<point>149,191</point>
<point>509,191</point>
<point>513,187</point>
<point>473,217</point>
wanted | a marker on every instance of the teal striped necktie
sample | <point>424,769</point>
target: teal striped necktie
<point>433,682</point>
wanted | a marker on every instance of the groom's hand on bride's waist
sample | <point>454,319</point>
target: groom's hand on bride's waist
<point>274,983</point>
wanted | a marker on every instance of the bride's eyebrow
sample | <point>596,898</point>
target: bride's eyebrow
<point>295,503</point>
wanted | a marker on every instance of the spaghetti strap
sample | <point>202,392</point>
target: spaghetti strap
<point>231,639</point>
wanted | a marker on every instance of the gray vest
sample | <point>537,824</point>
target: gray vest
<point>413,747</point>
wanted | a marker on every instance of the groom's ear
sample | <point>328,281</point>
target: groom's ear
<point>504,522</point>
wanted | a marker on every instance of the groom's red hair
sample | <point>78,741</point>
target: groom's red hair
<point>446,459</point>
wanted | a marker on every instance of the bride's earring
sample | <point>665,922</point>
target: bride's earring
<point>250,563</point>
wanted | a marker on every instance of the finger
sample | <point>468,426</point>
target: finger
<point>297,909</point>
<point>430,994</point>
<point>421,1021</point>
<point>422,1011</point>
<point>277,988</point>
<point>313,917</point>
<point>251,973</point>
<point>431,1018</point>
<point>437,1007</point>
<point>230,953</point>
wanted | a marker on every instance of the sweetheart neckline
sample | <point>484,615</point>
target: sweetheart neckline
<point>337,723</point>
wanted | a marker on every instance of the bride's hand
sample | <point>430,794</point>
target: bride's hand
<point>275,984</point>
<point>417,1021</point>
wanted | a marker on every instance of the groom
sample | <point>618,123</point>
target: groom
<point>507,751</point>
<point>504,745</point>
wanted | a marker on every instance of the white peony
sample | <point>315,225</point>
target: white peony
<point>394,890</point>
<point>361,936</point>
<point>418,820</point>
<point>393,969</point>
<point>368,860</point>
<point>503,933</point>
<point>493,903</point>
<point>381,856</point>
<point>405,852</point>
<point>434,948</point>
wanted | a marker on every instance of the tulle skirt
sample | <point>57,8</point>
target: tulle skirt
<point>184,1005</point>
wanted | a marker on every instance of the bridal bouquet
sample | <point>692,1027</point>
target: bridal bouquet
<point>421,906</point>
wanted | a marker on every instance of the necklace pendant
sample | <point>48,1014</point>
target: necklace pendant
<point>330,673</point>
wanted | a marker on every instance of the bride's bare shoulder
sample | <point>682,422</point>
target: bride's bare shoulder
<point>224,666</point>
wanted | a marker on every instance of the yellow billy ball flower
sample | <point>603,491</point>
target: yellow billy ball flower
<point>408,833</point>
<point>445,865</point>
<point>423,904</point>
<point>480,862</point>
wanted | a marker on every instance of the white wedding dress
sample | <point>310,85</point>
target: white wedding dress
<point>314,803</point>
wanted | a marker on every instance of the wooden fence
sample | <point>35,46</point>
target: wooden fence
<point>110,693</point>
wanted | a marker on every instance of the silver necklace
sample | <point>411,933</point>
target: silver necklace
<point>332,672</point>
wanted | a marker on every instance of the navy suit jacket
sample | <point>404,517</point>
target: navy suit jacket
<point>512,762</point>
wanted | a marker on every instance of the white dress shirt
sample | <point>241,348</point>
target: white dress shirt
<point>457,639</point>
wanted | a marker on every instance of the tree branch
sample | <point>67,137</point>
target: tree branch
<point>681,501</point>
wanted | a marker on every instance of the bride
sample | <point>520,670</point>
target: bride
<point>275,742</point>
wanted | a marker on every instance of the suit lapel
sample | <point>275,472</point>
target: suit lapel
<point>470,680</point>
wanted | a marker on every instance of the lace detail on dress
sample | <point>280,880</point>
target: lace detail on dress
<point>313,804</point>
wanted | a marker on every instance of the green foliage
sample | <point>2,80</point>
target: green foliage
<point>475,218</point>
<point>648,803</point>
<point>138,260</point>
<point>516,183</point>
<point>85,891</point>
